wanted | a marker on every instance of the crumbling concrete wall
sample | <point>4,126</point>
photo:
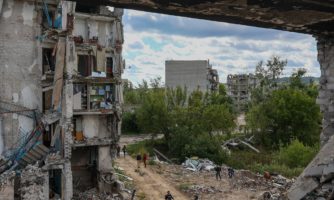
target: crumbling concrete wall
<point>95,126</point>
<point>316,181</point>
<point>20,70</point>
<point>326,90</point>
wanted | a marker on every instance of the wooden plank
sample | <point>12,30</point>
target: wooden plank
<point>59,73</point>
<point>162,155</point>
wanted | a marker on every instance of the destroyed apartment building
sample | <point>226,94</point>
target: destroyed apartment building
<point>239,87</point>
<point>192,74</point>
<point>61,95</point>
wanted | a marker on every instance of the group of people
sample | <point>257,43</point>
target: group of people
<point>141,158</point>
<point>119,150</point>
<point>218,169</point>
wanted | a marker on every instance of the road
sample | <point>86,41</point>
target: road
<point>147,182</point>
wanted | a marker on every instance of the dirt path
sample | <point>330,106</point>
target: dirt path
<point>150,183</point>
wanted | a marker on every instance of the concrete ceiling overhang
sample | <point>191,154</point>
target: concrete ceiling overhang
<point>304,16</point>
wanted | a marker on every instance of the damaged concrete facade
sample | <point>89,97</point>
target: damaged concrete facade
<point>239,87</point>
<point>192,74</point>
<point>61,63</point>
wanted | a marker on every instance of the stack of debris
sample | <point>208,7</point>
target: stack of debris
<point>200,189</point>
<point>196,164</point>
<point>237,142</point>
<point>32,183</point>
<point>7,185</point>
<point>317,180</point>
<point>93,194</point>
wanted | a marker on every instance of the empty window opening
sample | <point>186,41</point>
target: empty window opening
<point>109,67</point>
<point>86,63</point>
<point>86,8</point>
<point>47,100</point>
<point>48,61</point>
<point>55,184</point>
<point>80,97</point>
<point>84,167</point>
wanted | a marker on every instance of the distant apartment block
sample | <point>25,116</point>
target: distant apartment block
<point>192,74</point>
<point>239,88</point>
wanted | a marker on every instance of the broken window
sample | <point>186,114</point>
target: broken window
<point>109,67</point>
<point>48,61</point>
<point>86,63</point>
<point>79,96</point>
<point>47,100</point>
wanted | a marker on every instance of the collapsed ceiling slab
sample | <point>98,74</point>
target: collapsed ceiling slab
<point>303,16</point>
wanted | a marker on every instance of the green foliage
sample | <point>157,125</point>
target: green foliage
<point>277,168</point>
<point>287,114</point>
<point>296,154</point>
<point>152,115</point>
<point>218,118</point>
<point>129,123</point>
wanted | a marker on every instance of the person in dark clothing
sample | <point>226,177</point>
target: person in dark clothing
<point>218,169</point>
<point>138,158</point>
<point>230,172</point>
<point>145,157</point>
<point>169,196</point>
<point>118,151</point>
<point>124,150</point>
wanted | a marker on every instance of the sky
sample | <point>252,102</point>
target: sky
<point>151,39</point>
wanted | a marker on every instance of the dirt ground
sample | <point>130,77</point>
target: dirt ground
<point>149,184</point>
<point>153,182</point>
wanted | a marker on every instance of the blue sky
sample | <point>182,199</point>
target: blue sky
<point>151,38</point>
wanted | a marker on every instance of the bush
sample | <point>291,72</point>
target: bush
<point>129,123</point>
<point>296,154</point>
<point>277,168</point>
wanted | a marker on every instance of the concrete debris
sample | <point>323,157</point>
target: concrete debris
<point>236,142</point>
<point>196,189</point>
<point>32,183</point>
<point>198,164</point>
<point>53,158</point>
<point>93,194</point>
<point>317,178</point>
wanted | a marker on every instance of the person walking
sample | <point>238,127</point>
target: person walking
<point>138,158</point>
<point>118,151</point>
<point>145,157</point>
<point>218,169</point>
<point>230,172</point>
<point>169,196</point>
<point>124,150</point>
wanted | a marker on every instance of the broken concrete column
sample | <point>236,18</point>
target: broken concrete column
<point>326,91</point>
<point>67,181</point>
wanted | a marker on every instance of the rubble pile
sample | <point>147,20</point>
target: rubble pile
<point>93,194</point>
<point>32,183</point>
<point>53,158</point>
<point>195,164</point>
<point>196,189</point>
<point>7,178</point>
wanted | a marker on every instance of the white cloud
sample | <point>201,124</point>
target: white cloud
<point>234,53</point>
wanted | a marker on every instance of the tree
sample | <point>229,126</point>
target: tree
<point>287,114</point>
<point>152,115</point>
<point>217,118</point>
